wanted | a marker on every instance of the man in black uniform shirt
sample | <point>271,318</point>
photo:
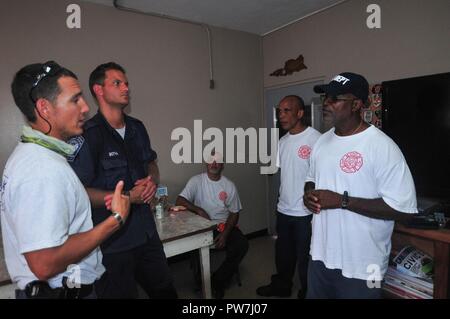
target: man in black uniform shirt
<point>113,147</point>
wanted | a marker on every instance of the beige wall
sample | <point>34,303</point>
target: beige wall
<point>168,68</point>
<point>414,39</point>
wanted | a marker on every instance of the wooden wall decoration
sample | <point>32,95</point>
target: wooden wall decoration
<point>290,66</point>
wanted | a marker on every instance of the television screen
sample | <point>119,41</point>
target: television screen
<point>416,115</point>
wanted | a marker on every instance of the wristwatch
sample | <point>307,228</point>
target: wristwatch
<point>117,217</point>
<point>344,203</point>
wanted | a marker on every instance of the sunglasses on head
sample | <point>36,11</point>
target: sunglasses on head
<point>49,69</point>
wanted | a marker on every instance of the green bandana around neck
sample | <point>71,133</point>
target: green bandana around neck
<point>30,135</point>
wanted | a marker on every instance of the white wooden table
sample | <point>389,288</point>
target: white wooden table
<point>184,231</point>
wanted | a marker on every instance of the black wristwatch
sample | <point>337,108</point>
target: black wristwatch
<point>344,203</point>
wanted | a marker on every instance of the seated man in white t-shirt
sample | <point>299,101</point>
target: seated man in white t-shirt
<point>357,185</point>
<point>215,197</point>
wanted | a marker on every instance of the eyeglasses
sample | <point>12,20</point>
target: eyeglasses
<point>49,68</point>
<point>334,99</point>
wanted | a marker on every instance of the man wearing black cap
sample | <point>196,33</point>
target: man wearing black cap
<point>51,247</point>
<point>357,185</point>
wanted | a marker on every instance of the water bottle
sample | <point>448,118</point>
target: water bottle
<point>159,210</point>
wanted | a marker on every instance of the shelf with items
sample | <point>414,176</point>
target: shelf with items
<point>435,243</point>
<point>403,285</point>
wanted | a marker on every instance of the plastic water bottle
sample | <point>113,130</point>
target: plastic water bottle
<point>159,210</point>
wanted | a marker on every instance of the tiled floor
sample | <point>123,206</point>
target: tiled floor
<point>256,269</point>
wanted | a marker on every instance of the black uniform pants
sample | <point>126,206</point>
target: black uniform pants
<point>236,248</point>
<point>145,264</point>
<point>291,249</point>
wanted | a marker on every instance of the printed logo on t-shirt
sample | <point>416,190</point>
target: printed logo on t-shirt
<point>223,196</point>
<point>351,162</point>
<point>304,151</point>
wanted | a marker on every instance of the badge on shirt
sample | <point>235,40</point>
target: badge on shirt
<point>304,152</point>
<point>78,142</point>
<point>351,162</point>
<point>223,196</point>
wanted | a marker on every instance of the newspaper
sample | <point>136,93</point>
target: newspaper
<point>405,282</point>
<point>414,262</point>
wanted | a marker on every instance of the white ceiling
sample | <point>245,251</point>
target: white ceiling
<point>254,16</point>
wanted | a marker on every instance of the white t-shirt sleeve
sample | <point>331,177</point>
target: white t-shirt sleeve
<point>395,183</point>
<point>41,215</point>
<point>310,176</point>
<point>233,203</point>
<point>190,189</point>
<point>278,164</point>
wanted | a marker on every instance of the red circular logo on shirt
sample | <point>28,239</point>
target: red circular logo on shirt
<point>304,151</point>
<point>223,196</point>
<point>351,162</point>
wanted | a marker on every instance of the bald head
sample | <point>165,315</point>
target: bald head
<point>290,114</point>
<point>294,100</point>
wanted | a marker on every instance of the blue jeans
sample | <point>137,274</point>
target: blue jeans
<point>324,283</point>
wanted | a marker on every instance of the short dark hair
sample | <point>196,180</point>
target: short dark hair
<point>35,81</point>
<point>298,99</point>
<point>98,75</point>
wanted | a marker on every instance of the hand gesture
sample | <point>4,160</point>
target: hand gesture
<point>144,190</point>
<point>316,200</point>
<point>311,202</point>
<point>220,241</point>
<point>120,203</point>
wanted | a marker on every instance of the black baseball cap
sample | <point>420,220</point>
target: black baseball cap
<point>345,83</point>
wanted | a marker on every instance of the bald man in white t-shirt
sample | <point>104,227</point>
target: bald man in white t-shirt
<point>293,219</point>
<point>213,196</point>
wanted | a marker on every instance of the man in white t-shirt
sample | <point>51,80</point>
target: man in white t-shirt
<point>293,219</point>
<point>358,184</point>
<point>213,196</point>
<point>51,248</point>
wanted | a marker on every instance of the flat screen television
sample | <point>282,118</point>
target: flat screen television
<point>416,115</point>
